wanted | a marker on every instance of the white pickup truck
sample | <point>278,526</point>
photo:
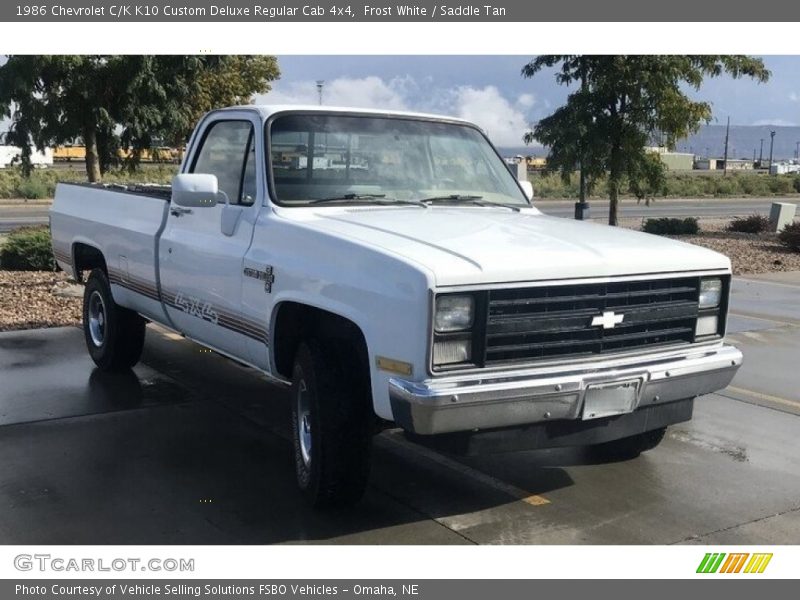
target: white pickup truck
<point>390,269</point>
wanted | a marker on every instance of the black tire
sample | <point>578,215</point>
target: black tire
<point>331,414</point>
<point>630,447</point>
<point>114,335</point>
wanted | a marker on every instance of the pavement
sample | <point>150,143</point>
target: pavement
<point>16,213</point>
<point>191,448</point>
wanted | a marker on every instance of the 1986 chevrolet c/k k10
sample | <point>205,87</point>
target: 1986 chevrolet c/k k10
<point>389,268</point>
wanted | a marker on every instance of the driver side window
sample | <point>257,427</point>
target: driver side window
<point>228,151</point>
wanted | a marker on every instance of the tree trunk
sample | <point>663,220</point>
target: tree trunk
<point>613,196</point>
<point>92,156</point>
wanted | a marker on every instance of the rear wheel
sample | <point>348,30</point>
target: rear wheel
<point>114,335</point>
<point>331,425</point>
<point>630,447</point>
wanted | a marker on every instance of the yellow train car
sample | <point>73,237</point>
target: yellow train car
<point>69,153</point>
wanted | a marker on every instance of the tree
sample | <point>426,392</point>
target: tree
<point>113,102</point>
<point>619,106</point>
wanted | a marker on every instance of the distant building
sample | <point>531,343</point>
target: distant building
<point>737,164</point>
<point>784,168</point>
<point>706,164</point>
<point>10,154</point>
<point>673,161</point>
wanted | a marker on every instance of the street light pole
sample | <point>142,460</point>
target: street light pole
<point>320,83</point>
<point>771,145</point>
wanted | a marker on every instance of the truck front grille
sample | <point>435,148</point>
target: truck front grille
<point>557,321</point>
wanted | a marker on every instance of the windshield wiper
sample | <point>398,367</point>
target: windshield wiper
<point>459,198</point>
<point>346,197</point>
<point>379,199</point>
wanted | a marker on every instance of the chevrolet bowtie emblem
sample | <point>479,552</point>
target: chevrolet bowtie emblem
<point>608,320</point>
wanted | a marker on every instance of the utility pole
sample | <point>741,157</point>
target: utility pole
<point>797,151</point>
<point>727,134</point>
<point>581,206</point>
<point>320,84</point>
<point>761,155</point>
<point>771,145</point>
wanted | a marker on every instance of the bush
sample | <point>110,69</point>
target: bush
<point>34,189</point>
<point>28,249</point>
<point>669,226</point>
<point>796,184</point>
<point>751,224</point>
<point>790,236</point>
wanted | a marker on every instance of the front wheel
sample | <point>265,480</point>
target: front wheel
<point>630,447</point>
<point>114,335</point>
<point>331,426</point>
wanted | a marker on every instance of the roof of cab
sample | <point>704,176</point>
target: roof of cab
<point>267,110</point>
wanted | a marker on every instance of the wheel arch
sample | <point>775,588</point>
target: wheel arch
<point>85,257</point>
<point>293,321</point>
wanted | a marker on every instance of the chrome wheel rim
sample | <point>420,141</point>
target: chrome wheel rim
<point>97,319</point>
<point>304,422</point>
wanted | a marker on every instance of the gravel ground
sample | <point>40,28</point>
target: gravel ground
<point>749,253</point>
<point>41,299</point>
<point>33,299</point>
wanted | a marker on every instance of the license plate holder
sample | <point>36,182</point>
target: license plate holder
<point>610,399</point>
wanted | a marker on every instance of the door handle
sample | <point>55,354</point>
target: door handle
<point>179,211</point>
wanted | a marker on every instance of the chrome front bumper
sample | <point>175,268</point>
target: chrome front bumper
<point>544,394</point>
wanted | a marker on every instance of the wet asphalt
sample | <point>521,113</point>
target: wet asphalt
<point>191,448</point>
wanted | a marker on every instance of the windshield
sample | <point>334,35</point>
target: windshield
<point>318,158</point>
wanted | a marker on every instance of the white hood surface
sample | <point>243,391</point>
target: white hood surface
<point>475,245</point>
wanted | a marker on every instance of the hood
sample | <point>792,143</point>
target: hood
<point>475,245</point>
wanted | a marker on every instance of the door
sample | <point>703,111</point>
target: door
<point>202,249</point>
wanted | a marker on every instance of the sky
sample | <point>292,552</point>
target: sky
<point>489,90</point>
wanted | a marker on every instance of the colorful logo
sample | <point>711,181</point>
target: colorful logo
<point>735,562</point>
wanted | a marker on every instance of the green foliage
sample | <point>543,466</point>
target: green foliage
<point>120,101</point>
<point>789,236</point>
<point>751,224</point>
<point>28,249</point>
<point>33,189</point>
<point>677,185</point>
<point>621,103</point>
<point>42,182</point>
<point>670,226</point>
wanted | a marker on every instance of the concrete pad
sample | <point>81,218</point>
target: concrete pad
<point>47,374</point>
<point>716,472</point>
<point>773,300</point>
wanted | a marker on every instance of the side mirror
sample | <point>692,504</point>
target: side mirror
<point>195,190</point>
<point>527,187</point>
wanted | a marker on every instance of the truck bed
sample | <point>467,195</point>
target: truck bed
<point>124,224</point>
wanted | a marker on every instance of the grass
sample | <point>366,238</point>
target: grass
<point>42,182</point>
<point>690,184</point>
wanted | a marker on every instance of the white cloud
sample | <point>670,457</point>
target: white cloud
<point>526,100</point>
<point>365,92</point>
<point>504,120</point>
<point>794,97</point>
<point>775,122</point>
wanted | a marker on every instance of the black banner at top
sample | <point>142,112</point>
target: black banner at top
<point>382,10</point>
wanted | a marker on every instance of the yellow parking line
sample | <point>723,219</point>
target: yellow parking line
<point>762,396</point>
<point>536,500</point>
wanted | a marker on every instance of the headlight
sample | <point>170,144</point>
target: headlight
<point>710,292</point>
<point>454,313</point>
